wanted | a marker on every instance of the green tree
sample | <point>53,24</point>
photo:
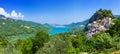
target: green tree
<point>39,40</point>
<point>101,41</point>
<point>115,29</point>
<point>3,42</point>
<point>23,46</point>
<point>57,45</point>
<point>79,42</point>
<point>100,14</point>
<point>5,46</point>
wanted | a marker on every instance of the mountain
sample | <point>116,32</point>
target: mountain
<point>100,14</point>
<point>2,16</point>
<point>10,27</point>
<point>78,25</point>
<point>116,16</point>
<point>48,25</point>
<point>100,21</point>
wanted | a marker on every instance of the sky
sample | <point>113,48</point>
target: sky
<point>56,11</point>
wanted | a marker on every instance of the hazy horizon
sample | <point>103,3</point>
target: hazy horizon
<point>56,11</point>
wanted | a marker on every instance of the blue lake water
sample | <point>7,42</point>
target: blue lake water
<point>59,30</point>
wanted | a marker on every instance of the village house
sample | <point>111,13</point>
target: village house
<point>97,26</point>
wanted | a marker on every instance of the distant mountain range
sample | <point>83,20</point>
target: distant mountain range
<point>10,27</point>
<point>116,16</point>
<point>78,23</point>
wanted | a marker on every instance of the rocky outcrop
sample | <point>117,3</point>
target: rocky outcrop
<point>97,26</point>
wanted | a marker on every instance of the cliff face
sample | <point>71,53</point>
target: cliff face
<point>97,26</point>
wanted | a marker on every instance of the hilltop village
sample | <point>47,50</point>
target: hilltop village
<point>98,25</point>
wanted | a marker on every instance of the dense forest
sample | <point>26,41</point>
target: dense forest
<point>72,42</point>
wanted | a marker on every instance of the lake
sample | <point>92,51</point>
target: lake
<point>52,31</point>
<point>59,30</point>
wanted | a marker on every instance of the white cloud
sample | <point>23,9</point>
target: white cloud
<point>16,15</point>
<point>2,11</point>
<point>13,14</point>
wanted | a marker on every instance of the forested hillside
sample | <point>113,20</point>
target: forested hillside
<point>77,26</point>
<point>100,14</point>
<point>9,26</point>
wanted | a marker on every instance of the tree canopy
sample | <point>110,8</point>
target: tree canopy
<point>100,14</point>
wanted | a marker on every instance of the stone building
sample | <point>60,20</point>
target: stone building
<point>97,26</point>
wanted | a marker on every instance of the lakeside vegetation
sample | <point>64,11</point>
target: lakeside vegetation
<point>73,42</point>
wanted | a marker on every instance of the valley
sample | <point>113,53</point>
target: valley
<point>59,26</point>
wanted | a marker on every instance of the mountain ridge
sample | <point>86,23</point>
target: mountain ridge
<point>11,26</point>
